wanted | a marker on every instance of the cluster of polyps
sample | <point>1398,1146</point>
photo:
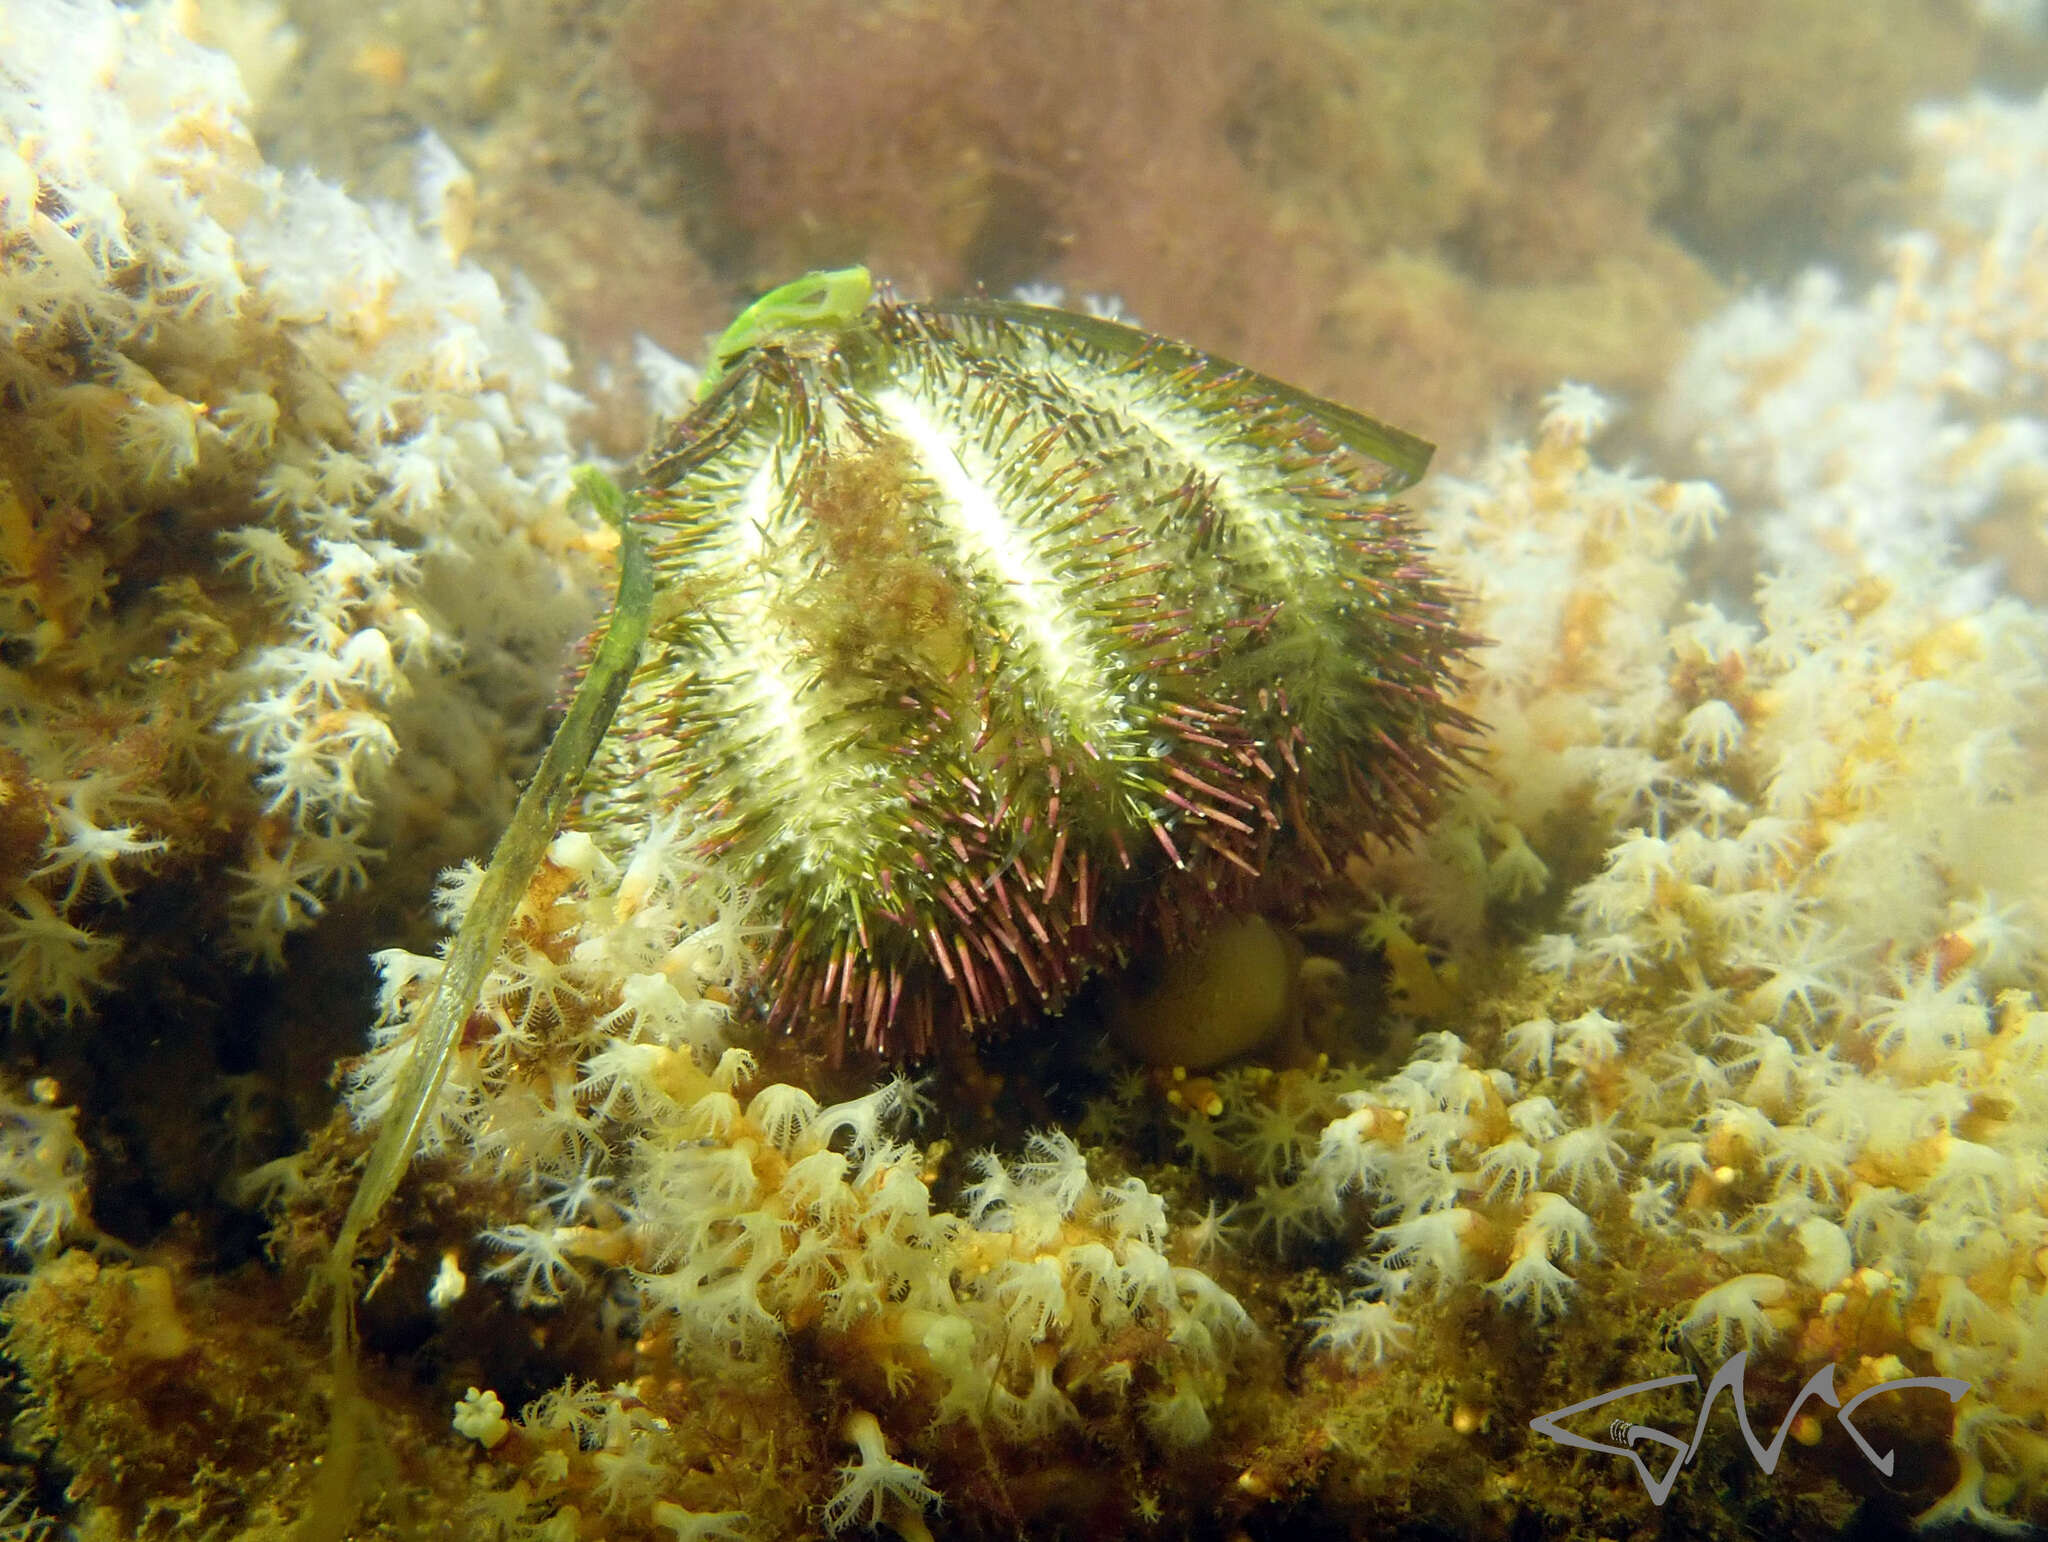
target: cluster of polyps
<point>1788,1023</point>
<point>1874,427</point>
<point>742,1217</point>
<point>275,421</point>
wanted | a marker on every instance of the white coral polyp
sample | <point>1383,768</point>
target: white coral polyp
<point>382,436</point>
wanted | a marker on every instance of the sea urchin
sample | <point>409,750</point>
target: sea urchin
<point>991,641</point>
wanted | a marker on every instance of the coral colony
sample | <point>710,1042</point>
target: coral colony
<point>238,485</point>
<point>1698,1015</point>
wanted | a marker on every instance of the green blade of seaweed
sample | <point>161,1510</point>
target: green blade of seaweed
<point>1404,455</point>
<point>477,941</point>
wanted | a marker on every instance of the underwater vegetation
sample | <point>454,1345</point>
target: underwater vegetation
<point>1420,209</point>
<point>1698,1012</point>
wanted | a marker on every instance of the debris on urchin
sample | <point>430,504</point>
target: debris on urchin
<point>991,642</point>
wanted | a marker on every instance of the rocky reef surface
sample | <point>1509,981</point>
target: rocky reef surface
<point>1701,1018</point>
